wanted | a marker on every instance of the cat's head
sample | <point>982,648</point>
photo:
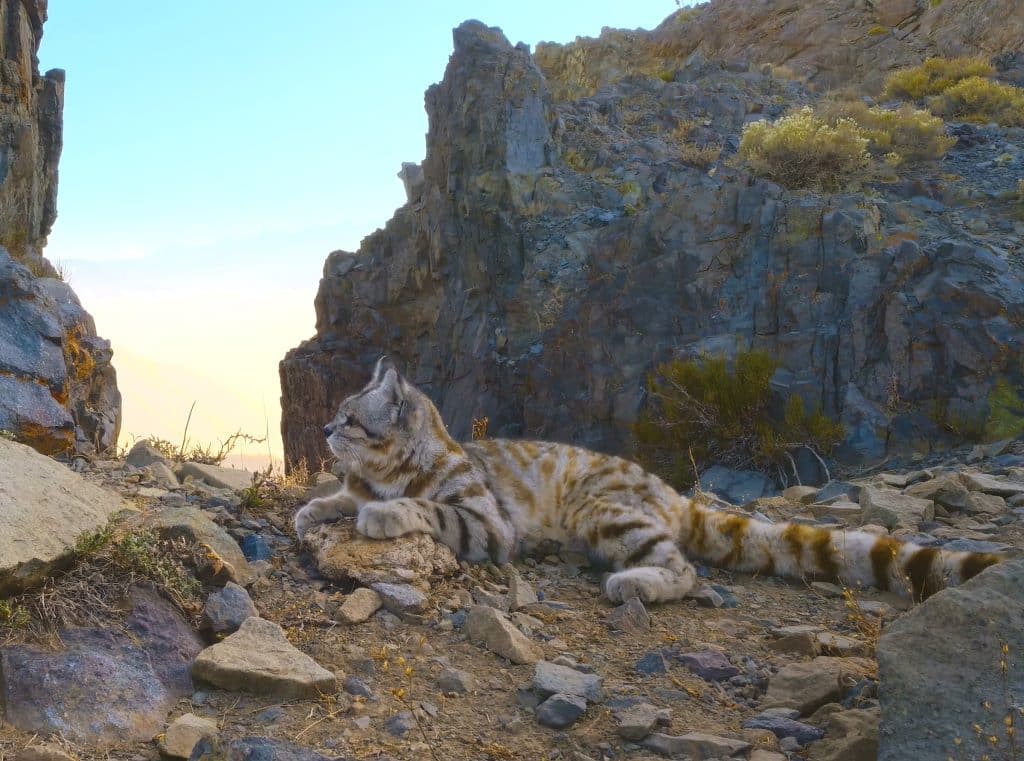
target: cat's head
<point>376,422</point>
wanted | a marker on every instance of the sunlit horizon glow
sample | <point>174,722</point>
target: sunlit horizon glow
<point>215,153</point>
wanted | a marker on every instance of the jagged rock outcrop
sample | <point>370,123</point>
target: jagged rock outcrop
<point>58,390</point>
<point>555,250</point>
<point>833,43</point>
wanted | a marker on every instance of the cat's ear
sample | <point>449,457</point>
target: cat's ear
<point>384,364</point>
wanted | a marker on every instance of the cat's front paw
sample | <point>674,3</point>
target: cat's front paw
<point>385,520</point>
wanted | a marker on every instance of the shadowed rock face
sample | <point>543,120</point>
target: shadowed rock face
<point>556,249</point>
<point>58,390</point>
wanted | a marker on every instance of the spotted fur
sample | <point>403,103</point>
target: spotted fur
<point>488,498</point>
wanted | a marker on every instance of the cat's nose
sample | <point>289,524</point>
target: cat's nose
<point>328,429</point>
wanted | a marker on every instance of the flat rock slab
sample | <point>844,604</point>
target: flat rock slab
<point>953,640</point>
<point>695,745</point>
<point>552,678</point>
<point>259,658</point>
<point>254,749</point>
<point>808,685</point>
<point>100,690</point>
<point>44,508</point>
<point>234,479</point>
<point>890,508</point>
<point>343,556</point>
<point>193,524</point>
<point>163,633</point>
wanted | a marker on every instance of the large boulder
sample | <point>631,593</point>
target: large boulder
<point>58,390</point>
<point>547,266</point>
<point>44,509</point>
<point>951,664</point>
<point>103,687</point>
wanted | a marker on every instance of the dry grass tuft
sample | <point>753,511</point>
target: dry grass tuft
<point>92,592</point>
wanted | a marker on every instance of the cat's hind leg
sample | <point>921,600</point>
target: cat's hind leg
<point>643,551</point>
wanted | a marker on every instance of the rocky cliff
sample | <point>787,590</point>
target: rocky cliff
<point>579,218</point>
<point>57,387</point>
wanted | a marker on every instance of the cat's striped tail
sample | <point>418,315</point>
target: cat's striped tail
<point>854,558</point>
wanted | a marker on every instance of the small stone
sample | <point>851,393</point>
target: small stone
<point>986,504</point>
<point>837,644</point>
<point>143,453</point>
<point>259,658</point>
<point>892,509</point>
<point>705,597</point>
<point>185,732</point>
<point>709,665</point>
<point>255,547</point>
<point>841,509</point>
<point>638,721</point>
<point>802,494</point>
<point>946,490</point>
<point>801,639</point>
<point>401,723</point>
<point>992,485</point>
<point>827,589</point>
<point>362,722</point>
<point>226,609</point>
<point>482,596</point>
<point>631,617</point>
<point>652,663</point>
<point>695,745</point>
<point>43,752</point>
<point>233,479</point>
<point>560,711</point>
<point>499,635</point>
<point>760,754</point>
<point>808,685</point>
<point>359,606</point>
<point>455,682</point>
<point>353,685</point>
<point>401,598</point>
<point>520,593</point>
<point>550,678</point>
<point>783,727</point>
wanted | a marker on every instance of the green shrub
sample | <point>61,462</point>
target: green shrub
<point>803,150</point>
<point>977,99</point>
<point>719,414</point>
<point>910,133</point>
<point>934,76</point>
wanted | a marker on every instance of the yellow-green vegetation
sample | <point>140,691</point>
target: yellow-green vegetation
<point>877,31</point>
<point>1020,189</point>
<point>934,76</point>
<point>699,156</point>
<point>960,88</point>
<point>9,435</point>
<point>804,150</point>
<point>710,411</point>
<point>1005,412</point>
<point>912,134</point>
<point>977,99</point>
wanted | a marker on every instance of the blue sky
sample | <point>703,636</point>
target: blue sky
<point>215,152</point>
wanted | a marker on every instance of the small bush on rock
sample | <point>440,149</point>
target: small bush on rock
<point>803,150</point>
<point>910,133</point>
<point>981,100</point>
<point>704,412</point>
<point>934,76</point>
